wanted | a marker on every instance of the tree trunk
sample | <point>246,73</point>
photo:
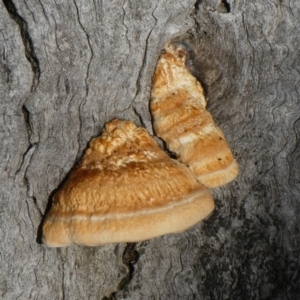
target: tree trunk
<point>67,68</point>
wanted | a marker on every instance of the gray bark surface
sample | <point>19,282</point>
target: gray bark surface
<point>68,67</point>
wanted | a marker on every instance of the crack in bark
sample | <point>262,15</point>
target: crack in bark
<point>27,156</point>
<point>194,16</point>
<point>91,50</point>
<point>129,258</point>
<point>63,280</point>
<point>138,81</point>
<point>36,204</point>
<point>27,41</point>
<point>139,116</point>
<point>26,114</point>
<point>196,5</point>
<point>43,9</point>
<point>25,161</point>
<point>86,76</point>
<point>223,7</point>
<point>7,71</point>
<point>123,22</point>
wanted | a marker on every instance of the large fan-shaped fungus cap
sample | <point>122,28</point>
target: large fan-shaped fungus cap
<point>125,189</point>
<point>180,118</point>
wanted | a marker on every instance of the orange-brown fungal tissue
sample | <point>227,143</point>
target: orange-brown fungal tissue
<point>124,189</point>
<point>180,118</point>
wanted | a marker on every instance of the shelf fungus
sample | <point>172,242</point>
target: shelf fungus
<point>180,118</point>
<point>124,189</point>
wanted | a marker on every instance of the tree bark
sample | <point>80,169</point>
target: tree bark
<point>67,68</point>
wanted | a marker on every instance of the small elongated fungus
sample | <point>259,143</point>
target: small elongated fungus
<point>180,118</point>
<point>124,189</point>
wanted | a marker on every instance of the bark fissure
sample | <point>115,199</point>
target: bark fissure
<point>63,280</point>
<point>139,116</point>
<point>90,47</point>
<point>144,58</point>
<point>126,28</point>
<point>223,7</point>
<point>27,41</point>
<point>129,258</point>
<point>21,173</point>
<point>36,204</point>
<point>194,30</point>
<point>43,9</point>
<point>196,5</point>
<point>26,115</point>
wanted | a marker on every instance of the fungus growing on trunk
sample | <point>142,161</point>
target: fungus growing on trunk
<point>124,189</point>
<point>180,118</point>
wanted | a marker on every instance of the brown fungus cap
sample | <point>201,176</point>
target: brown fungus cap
<point>124,189</point>
<point>180,118</point>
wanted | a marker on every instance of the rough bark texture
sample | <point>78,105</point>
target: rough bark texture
<point>68,67</point>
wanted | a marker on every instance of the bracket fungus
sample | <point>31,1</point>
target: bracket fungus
<point>124,189</point>
<point>180,118</point>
